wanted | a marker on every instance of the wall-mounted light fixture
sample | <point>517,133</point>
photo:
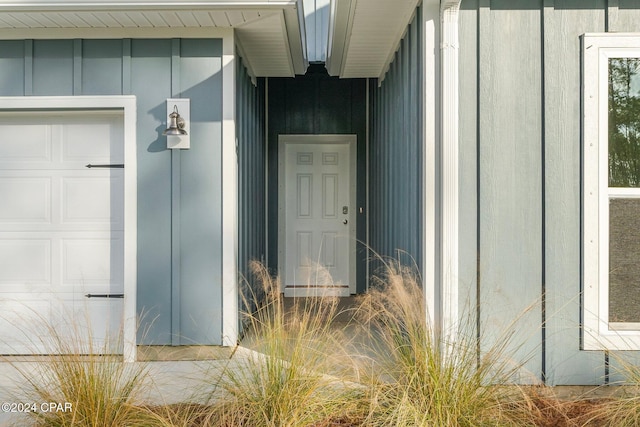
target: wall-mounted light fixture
<point>178,128</point>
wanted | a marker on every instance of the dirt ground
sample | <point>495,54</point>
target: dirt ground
<point>547,412</point>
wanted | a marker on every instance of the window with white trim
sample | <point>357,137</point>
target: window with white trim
<point>611,191</point>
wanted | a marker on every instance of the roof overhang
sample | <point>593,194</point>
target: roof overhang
<point>364,35</point>
<point>270,34</point>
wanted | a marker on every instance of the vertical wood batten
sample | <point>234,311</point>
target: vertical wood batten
<point>623,16</point>
<point>510,181</point>
<point>392,147</point>
<point>564,22</point>
<point>406,135</point>
<point>414,152</point>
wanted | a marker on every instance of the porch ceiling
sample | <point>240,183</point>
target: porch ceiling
<point>269,33</point>
<point>364,35</point>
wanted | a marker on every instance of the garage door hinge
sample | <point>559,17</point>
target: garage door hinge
<point>104,295</point>
<point>105,166</point>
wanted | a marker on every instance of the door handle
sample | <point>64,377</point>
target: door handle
<point>345,221</point>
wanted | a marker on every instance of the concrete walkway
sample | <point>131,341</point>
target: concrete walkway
<point>168,381</point>
<point>176,374</point>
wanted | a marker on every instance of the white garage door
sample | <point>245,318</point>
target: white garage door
<point>61,228</point>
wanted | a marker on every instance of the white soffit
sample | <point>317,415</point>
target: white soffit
<point>280,52</point>
<point>364,35</point>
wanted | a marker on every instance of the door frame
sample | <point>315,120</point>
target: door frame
<point>352,141</point>
<point>127,105</point>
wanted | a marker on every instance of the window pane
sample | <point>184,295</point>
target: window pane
<point>624,260</point>
<point>624,122</point>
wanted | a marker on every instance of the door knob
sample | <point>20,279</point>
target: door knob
<point>345,221</point>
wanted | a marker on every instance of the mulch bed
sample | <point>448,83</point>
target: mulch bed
<point>568,413</point>
<point>547,412</point>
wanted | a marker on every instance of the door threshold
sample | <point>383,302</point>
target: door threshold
<point>316,291</point>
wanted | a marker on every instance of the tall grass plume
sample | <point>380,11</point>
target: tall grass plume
<point>89,380</point>
<point>421,379</point>
<point>293,372</point>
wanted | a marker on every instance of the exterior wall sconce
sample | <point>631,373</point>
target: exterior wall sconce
<point>177,132</point>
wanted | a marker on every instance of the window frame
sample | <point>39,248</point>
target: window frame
<point>598,332</point>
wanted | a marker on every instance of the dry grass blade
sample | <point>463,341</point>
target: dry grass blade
<point>101,389</point>
<point>292,376</point>
<point>622,409</point>
<point>421,380</point>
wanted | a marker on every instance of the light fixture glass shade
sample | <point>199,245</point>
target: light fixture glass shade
<point>176,124</point>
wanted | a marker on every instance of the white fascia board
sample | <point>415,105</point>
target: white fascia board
<point>113,33</point>
<point>340,23</point>
<point>396,45</point>
<point>83,5</point>
<point>296,36</point>
<point>246,63</point>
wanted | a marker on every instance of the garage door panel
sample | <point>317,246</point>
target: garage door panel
<point>60,324</point>
<point>59,200</point>
<point>25,200</point>
<point>99,141</point>
<point>22,144</point>
<point>23,322</point>
<point>92,265</point>
<point>94,324</point>
<point>25,262</point>
<point>89,200</point>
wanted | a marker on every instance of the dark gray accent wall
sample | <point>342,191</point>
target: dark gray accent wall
<point>520,177</point>
<point>395,156</point>
<point>317,104</point>
<point>179,193</point>
<point>250,123</point>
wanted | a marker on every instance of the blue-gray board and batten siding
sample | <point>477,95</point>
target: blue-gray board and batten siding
<point>250,133</point>
<point>520,177</point>
<point>179,192</point>
<point>396,156</point>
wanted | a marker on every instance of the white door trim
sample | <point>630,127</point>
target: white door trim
<point>283,140</point>
<point>128,106</point>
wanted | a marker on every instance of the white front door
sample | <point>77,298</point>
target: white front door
<point>61,229</point>
<point>317,214</point>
